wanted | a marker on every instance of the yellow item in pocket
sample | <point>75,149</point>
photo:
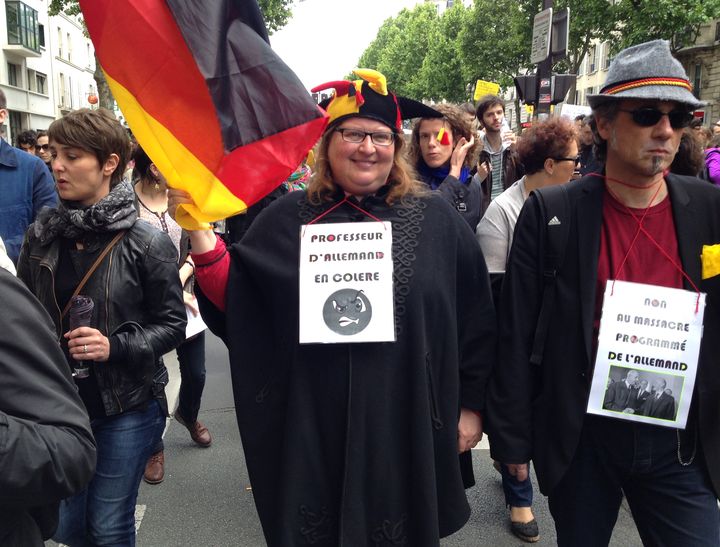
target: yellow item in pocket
<point>710,261</point>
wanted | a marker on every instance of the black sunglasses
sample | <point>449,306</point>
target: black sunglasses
<point>649,116</point>
<point>42,146</point>
<point>575,160</point>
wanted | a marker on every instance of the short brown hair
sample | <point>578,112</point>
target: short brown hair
<point>96,131</point>
<point>402,179</point>
<point>458,126</point>
<point>549,138</point>
<point>486,102</point>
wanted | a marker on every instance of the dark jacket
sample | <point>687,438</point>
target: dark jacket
<point>512,170</point>
<point>463,196</point>
<point>138,306</point>
<point>47,451</point>
<point>26,186</point>
<point>372,427</point>
<point>538,412</point>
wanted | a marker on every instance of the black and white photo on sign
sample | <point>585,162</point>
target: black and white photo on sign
<point>642,393</point>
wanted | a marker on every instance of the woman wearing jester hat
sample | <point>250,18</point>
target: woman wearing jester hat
<point>356,443</point>
<point>443,153</point>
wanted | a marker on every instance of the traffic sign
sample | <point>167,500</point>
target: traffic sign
<point>541,36</point>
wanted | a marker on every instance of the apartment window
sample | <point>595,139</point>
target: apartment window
<point>593,60</point>
<point>13,74</point>
<point>697,79</point>
<point>41,35</point>
<point>581,68</point>
<point>61,90</point>
<point>717,32</point>
<point>69,47</point>
<point>41,83</point>
<point>60,42</point>
<point>22,25</point>
<point>605,58</point>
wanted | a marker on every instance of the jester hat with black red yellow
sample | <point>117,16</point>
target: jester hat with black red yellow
<point>369,98</point>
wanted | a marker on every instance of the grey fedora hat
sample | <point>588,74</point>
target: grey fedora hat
<point>646,71</point>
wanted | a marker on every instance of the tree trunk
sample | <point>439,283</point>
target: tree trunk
<point>106,99</point>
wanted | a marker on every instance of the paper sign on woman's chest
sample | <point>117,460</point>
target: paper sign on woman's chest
<point>346,283</point>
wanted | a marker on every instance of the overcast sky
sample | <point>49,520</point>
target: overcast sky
<point>325,38</point>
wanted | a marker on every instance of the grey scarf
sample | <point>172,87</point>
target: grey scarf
<point>114,212</point>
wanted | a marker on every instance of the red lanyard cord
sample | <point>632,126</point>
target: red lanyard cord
<point>338,204</point>
<point>642,229</point>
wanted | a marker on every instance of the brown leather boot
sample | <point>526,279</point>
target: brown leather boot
<point>198,432</point>
<point>155,468</point>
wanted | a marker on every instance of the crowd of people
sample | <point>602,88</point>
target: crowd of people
<point>487,320</point>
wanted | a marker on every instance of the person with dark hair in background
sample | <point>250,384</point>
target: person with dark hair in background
<point>42,149</point>
<point>47,451</point>
<point>152,205</point>
<point>26,141</point>
<point>27,187</point>
<point>498,163</point>
<point>92,245</point>
<point>690,157</point>
<point>442,152</point>
<point>549,154</point>
<point>548,151</point>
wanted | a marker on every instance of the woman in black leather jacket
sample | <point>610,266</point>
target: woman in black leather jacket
<point>138,315</point>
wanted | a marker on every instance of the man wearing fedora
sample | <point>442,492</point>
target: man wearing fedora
<point>635,222</point>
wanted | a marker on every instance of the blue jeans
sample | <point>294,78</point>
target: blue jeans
<point>672,503</point>
<point>517,493</point>
<point>191,357</point>
<point>104,513</point>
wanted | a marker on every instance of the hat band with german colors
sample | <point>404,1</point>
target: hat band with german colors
<point>647,71</point>
<point>369,98</point>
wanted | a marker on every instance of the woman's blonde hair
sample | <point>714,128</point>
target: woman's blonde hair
<point>402,179</point>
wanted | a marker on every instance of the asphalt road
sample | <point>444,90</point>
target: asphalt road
<point>206,498</point>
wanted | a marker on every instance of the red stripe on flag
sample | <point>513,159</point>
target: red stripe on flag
<point>251,160</point>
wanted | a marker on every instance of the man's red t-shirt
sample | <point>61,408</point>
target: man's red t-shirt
<point>645,263</point>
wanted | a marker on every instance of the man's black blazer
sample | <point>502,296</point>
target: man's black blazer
<point>537,412</point>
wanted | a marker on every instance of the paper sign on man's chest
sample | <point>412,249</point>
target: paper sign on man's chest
<point>647,355</point>
<point>346,283</point>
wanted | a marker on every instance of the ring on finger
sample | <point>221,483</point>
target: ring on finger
<point>84,348</point>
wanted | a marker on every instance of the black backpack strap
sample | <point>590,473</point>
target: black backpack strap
<point>554,206</point>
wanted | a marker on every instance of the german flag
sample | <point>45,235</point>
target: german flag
<point>216,110</point>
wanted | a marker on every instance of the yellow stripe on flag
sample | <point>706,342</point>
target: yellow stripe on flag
<point>184,172</point>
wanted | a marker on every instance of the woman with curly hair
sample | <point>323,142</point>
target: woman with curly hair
<point>351,441</point>
<point>549,153</point>
<point>443,152</point>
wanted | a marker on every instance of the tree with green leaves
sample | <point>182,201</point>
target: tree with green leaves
<point>401,58</point>
<point>678,21</point>
<point>441,75</point>
<point>494,44</point>
<point>275,12</point>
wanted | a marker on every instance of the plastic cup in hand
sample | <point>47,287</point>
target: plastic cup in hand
<point>80,315</point>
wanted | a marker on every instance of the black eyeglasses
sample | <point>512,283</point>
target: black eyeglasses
<point>356,136</point>
<point>575,160</point>
<point>42,147</point>
<point>649,116</point>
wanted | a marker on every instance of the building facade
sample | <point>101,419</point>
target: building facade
<point>701,62</point>
<point>47,65</point>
